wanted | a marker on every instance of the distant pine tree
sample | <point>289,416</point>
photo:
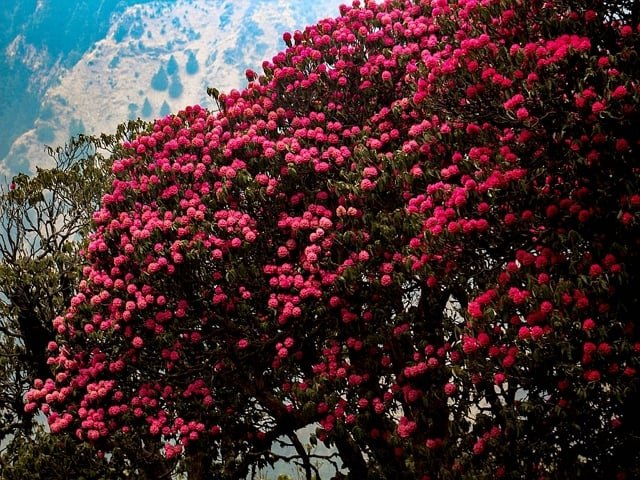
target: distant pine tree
<point>175,89</point>
<point>76,127</point>
<point>172,66</point>
<point>160,81</point>
<point>192,66</point>
<point>146,111</point>
<point>164,109</point>
<point>133,111</point>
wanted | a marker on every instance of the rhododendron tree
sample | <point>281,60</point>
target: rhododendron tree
<point>417,229</point>
<point>44,218</point>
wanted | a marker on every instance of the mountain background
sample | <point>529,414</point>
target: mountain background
<point>69,67</point>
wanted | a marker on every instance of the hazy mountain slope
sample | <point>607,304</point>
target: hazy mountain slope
<point>38,40</point>
<point>151,59</point>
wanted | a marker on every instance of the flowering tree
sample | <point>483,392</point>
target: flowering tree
<point>44,218</point>
<point>417,230</point>
<point>41,218</point>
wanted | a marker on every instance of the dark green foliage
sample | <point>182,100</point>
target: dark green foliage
<point>43,457</point>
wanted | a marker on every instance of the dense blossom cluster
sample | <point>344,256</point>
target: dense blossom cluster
<point>418,229</point>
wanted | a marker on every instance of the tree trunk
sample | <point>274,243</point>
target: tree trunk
<point>197,469</point>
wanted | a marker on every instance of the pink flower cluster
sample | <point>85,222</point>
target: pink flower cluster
<point>407,217</point>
